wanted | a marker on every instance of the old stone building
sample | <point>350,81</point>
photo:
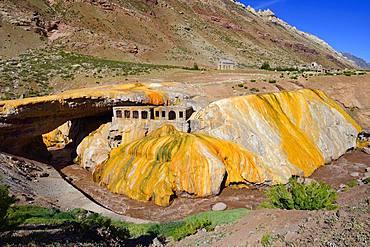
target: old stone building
<point>148,118</point>
<point>312,67</point>
<point>226,64</point>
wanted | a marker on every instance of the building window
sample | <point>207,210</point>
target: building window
<point>135,114</point>
<point>144,115</point>
<point>118,114</point>
<point>163,114</point>
<point>156,113</point>
<point>117,138</point>
<point>181,114</point>
<point>127,114</point>
<point>172,115</point>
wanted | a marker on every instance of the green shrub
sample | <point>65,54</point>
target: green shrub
<point>240,85</point>
<point>195,66</point>
<point>294,195</point>
<point>266,66</point>
<point>266,240</point>
<point>189,228</point>
<point>352,183</point>
<point>272,81</point>
<point>253,80</point>
<point>5,201</point>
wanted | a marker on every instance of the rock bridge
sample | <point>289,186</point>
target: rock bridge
<point>23,121</point>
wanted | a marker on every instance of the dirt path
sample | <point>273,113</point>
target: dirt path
<point>37,182</point>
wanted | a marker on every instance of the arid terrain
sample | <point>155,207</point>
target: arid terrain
<point>87,89</point>
<point>290,228</point>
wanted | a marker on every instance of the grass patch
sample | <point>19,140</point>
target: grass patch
<point>352,183</point>
<point>18,215</point>
<point>188,226</point>
<point>294,195</point>
<point>26,215</point>
<point>266,240</point>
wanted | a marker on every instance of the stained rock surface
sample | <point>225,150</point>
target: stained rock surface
<point>168,161</point>
<point>24,120</point>
<point>302,128</point>
<point>238,141</point>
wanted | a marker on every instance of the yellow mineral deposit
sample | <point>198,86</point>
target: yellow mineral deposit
<point>246,140</point>
<point>153,96</point>
<point>58,138</point>
<point>168,161</point>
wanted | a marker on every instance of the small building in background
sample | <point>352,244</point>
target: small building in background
<point>226,64</point>
<point>312,67</point>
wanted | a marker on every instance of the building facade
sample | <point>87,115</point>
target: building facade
<point>226,64</point>
<point>146,119</point>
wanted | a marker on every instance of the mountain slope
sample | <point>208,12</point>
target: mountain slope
<point>178,32</point>
<point>357,60</point>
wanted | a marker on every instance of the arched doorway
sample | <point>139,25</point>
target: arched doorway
<point>171,115</point>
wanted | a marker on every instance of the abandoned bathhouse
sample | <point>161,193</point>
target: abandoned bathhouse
<point>149,118</point>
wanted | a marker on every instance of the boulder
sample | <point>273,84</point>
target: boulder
<point>301,129</point>
<point>355,174</point>
<point>220,206</point>
<point>94,149</point>
<point>59,137</point>
<point>168,162</point>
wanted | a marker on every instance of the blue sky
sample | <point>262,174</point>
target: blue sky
<point>344,24</point>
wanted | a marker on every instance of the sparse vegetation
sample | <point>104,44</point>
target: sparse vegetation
<point>188,226</point>
<point>349,73</point>
<point>34,215</point>
<point>352,183</point>
<point>5,201</point>
<point>30,74</point>
<point>253,80</point>
<point>295,195</point>
<point>272,81</point>
<point>266,240</point>
<point>254,90</point>
<point>266,66</point>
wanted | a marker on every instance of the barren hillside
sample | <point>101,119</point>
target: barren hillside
<point>177,32</point>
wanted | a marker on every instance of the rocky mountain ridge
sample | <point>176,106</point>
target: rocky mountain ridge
<point>361,63</point>
<point>174,32</point>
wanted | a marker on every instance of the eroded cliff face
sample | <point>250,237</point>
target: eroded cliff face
<point>239,141</point>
